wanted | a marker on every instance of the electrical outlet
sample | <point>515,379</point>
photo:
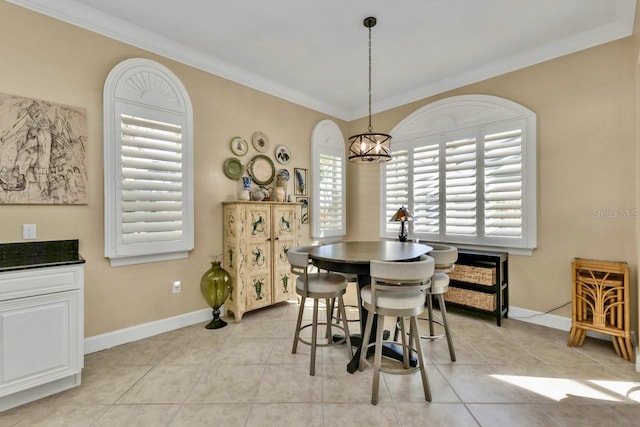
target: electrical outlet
<point>177,286</point>
<point>28,231</point>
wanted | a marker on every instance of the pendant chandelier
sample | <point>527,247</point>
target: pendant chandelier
<point>370,147</point>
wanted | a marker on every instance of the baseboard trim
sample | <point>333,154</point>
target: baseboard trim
<point>145,330</point>
<point>549,320</point>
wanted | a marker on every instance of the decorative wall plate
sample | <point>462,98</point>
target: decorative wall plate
<point>233,168</point>
<point>261,169</point>
<point>260,142</point>
<point>239,146</point>
<point>283,155</point>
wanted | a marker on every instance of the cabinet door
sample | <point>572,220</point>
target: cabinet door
<point>258,257</point>
<point>39,340</point>
<point>285,230</point>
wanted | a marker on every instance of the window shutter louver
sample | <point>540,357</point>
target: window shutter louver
<point>151,181</point>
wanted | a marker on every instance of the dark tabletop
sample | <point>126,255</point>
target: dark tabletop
<point>364,252</point>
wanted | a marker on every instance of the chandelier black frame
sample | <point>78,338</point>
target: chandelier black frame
<point>370,147</point>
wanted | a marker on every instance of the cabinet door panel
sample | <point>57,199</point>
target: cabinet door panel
<point>284,286</point>
<point>259,290</point>
<point>39,340</point>
<point>259,256</point>
<point>284,222</point>
<point>258,224</point>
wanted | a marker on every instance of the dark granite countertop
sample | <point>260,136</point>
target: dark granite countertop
<point>25,255</point>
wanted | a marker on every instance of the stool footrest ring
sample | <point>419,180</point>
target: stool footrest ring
<point>432,337</point>
<point>330,342</point>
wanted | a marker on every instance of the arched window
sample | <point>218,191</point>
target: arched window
<point>466,167</point>
<point>328,196</point>
<point>148,164</point>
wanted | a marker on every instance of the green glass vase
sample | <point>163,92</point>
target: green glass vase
<point>215,286</point>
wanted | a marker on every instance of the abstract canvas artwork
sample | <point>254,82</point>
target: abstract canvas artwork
<point>42,152</point>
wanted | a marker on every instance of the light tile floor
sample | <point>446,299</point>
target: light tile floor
<point>519,374</point>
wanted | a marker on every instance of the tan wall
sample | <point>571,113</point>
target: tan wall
<point>587,163</point>
<point>47,59</point>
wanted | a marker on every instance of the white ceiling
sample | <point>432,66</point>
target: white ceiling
<point>315,53</point>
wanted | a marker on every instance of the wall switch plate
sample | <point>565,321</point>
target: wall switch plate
<point>176,287</point>
<point>28,231</point>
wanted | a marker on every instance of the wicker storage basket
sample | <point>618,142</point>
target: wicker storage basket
<point>472,274</point>
<point>471,298</point>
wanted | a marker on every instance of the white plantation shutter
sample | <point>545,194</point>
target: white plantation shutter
<point>148,168</point>
<point>330,194</point>
<point>328,172</point>
<point>460,186</point>
<point>503,182</point>
<point>473,185</point>
<point>396,188</point>
<point>426,188</point>
<point>151,180</point>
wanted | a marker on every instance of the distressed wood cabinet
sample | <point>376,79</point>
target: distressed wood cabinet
<point>257,236</point>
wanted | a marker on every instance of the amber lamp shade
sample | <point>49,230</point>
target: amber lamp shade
<point>402,215</point>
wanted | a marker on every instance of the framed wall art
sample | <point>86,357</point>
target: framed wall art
<point>304,209</point>
<point>42,152</point>
<point>300,182</point>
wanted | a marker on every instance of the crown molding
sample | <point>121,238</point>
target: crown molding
<point>78,14</point>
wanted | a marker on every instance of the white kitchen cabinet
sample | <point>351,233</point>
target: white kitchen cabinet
<point>41,332</point>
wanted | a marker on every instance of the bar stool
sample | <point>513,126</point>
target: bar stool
<point>317,286</point>
<point>444,257</point>
<point>397,289</point>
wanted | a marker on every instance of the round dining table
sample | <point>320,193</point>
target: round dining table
<point>353,258</point>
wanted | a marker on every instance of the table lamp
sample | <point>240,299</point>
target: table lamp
<point>402,215</point>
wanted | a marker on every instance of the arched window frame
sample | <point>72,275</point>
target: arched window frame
<point>328,181</point>
<point>145,91</point>
<point>456,118</point>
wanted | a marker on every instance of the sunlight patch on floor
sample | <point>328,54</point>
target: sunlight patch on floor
<point>563,388</point>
